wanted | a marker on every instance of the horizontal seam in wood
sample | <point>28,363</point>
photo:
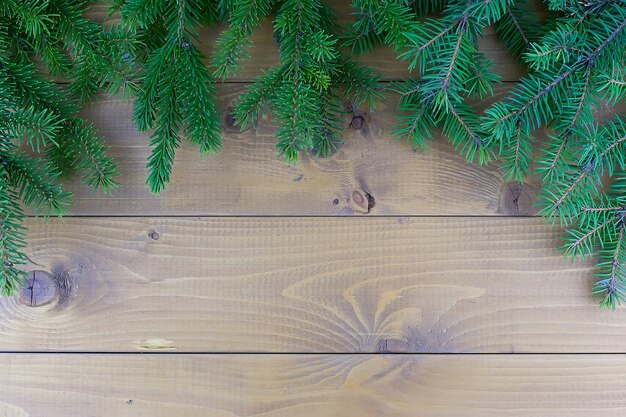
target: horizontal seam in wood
<point>290,216</point>
<point>243,82</point>
<point>261,353</point>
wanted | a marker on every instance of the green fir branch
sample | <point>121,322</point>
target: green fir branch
<point>41,115</point>
<point>175,93</point>
<point>312,77</point>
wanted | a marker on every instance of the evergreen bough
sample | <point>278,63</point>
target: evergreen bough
<point>576,68</point>
<point>576,63</point>
<point>175,89</point>
<point>41,137</point>
<point>308,89</point>
<point>443,50</point>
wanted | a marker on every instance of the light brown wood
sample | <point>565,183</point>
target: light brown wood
<point>165,285</point>
<point>248,178</point>
<point>264,54</point>
<point>312,385</point>
<point>306,285</point>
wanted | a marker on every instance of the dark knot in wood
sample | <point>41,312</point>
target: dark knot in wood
<point>229,122</point>
<point>38,290</point>
<point>517,200</point>
<point>357,122</point>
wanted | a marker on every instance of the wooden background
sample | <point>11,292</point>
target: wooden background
<point>378,282</point>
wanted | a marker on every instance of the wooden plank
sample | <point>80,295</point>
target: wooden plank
<point>248,178</point>
<point>313,385</point>
<point>371,173</point>
<point>264,54</point>
<point>305,285</point>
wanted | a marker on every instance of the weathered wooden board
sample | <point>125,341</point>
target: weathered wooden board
<point>305,285</point>
<point>264,54</point>
<point>248,178</point>
<point>312,385</point>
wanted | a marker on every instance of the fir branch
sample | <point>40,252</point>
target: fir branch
<point>550,165</point>
<point>35,188</point>
<point>175,91</point>
<point>42,115</point>
<point>231,47</point>
<point>423,8</point>
<point>253,103</point>
<point>452,69</point>
<point>576,189</point>
<point>613,287</point>
<point>359,84</point>
<point>583,241</point>
<point>329,139</point>
<point>27,125</point>
<point>613,82</point>
<point>538,99</point>
<point>519,28</point>
<point>199,115</point>
<point>312,76</point>
<point>12,239</point>
<point>601,231</point>
<point>462,126</point>
<point>89,154</point>
<point>384,21</point>
<point>165,139</point>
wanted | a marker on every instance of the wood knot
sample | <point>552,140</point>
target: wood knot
<point>38,290</point>
<point>517,200</point>
<point>362,201</point>
<point>229,122</point>
<point>357,122</point>
<point>359,119</point>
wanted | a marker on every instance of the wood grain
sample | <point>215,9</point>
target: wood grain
<point>165,285</point>
<point>312,385</point>
<point>247,177</point>
<point>383,60</point>
<point>306,285</point>
<point>371,173</point>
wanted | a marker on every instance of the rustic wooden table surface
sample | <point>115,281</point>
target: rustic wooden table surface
<point>378,282</point>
